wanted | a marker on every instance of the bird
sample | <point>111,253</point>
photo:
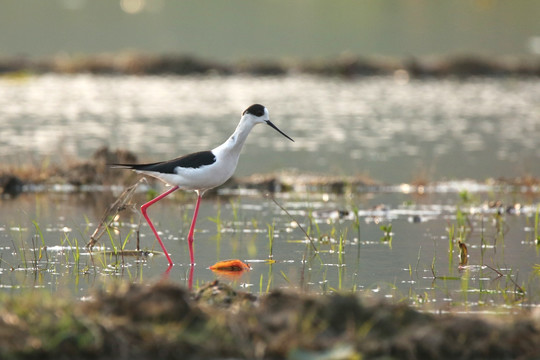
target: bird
<point>203,170</point>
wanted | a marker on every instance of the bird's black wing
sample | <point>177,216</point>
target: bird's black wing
<point>195,160</point>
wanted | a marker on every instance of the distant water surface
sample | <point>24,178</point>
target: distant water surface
<point>392,129</point>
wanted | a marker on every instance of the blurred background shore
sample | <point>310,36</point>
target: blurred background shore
<point>481,37</point>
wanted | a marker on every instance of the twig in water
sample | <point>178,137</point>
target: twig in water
<point>110,214</point>
<point>500,274</point>
<point>293,219</point>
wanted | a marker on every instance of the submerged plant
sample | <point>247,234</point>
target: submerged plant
<point>387,234</point>
<point>313,224</point>
<point>74,248</point>
<point>341,253</point>
<point>126,240</point>
<point>462,223</point>
<point>235,206</point>
<point>356,223</point>
<point>341,247</point>
<point>536,230</point>
<point>270,240</point>
<point>465,196</point>
<point>113,245</point>
<point>43,247</point>
<point>270,277</point>
<point>217,220</point>
<point>536,270</point>
<point>450,229</point>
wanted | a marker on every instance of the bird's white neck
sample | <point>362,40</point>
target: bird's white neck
<point>236,141</point>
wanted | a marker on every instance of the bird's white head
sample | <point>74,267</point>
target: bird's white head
<point>258,114</point>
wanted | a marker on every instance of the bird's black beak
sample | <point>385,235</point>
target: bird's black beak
<point>279,131</point>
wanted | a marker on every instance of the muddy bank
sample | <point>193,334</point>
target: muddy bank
<point>95,171</point>
<point>95,174</point>
<point>345,66</point>
<point>166,321</point>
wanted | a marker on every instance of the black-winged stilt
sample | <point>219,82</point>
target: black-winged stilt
<point>202,170</point>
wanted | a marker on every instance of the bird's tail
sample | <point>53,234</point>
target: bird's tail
<point>142,167</point>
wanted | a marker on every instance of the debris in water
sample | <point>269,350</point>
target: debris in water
<point>112,211</point>
<point>463,254</point>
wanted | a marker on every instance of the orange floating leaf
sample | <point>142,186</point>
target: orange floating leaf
<point>230,265</point>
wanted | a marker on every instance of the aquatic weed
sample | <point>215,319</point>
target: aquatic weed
<point>43,247</point>
<point>356,222</point>
<point>113,245</point>
<point>219,228</point>
<point>465,196</point>
<point>341,252</point>
<point>536,270</point>
<point>74,249</point>
<point>21,247</point>
<point>462,223</point>
<point>271,229</point>
<point>126,240</point>
<point>285,277</point>
<point>450,229</point>
<point>235,206</point>
<point>217,220</point>
<point>313,224</point>
<point>387,234</point>
<point>270,278</point>
<point>465,287</point>
<point>341,246</point>
<point>536,221</point>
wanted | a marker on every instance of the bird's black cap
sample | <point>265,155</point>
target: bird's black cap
<point>255,109</point>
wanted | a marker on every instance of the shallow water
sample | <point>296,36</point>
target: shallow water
<point>502,250</point>
<point>394,130</point>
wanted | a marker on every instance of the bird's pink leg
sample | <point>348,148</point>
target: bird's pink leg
<point>143,210</point>
<point>192,228</point>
